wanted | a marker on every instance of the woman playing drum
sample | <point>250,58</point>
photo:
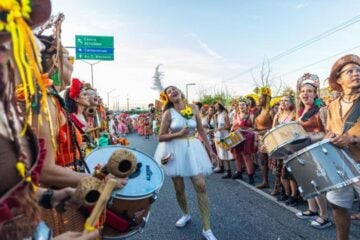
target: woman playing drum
<point>285,114</point>
<point>243,121</point>
<point>313,119</point>
<point>222,129</point>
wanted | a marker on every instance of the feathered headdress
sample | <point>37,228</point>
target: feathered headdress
<point>313,80</point>
<point>308,78</point>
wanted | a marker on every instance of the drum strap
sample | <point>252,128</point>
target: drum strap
<point>310,113</point>
<point>353,116</point>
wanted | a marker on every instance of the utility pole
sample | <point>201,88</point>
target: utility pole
<point>108,94</point>
<point>92,70</point>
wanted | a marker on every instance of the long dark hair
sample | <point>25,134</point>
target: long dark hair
<point>70,103</point>
<point>169,104</point>
<point>222,107</point>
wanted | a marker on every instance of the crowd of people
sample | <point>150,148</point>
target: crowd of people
<point>253,116</point>
<point>52,121</point>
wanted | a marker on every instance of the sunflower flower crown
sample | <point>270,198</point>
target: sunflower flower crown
<point>289,93</point>
<point>187,112</point>
<point>164,98</point>
<point>263,91</point>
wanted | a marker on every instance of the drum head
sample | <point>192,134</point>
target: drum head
<point>147,179</point>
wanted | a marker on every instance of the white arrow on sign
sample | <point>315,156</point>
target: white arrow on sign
<point>79,40</point>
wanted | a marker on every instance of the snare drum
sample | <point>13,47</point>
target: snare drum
<point>231,140</point>
<point>285,139</point>
<point>322,167</point>
<point>129,207</point>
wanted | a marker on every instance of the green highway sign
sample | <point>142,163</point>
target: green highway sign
<point>94,47</point>
<point>94,41</point>
<point>91,56</point>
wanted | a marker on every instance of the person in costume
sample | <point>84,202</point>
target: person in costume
<point>284,178</point>
<point>77,100</point>
<point>312,117</point>
<point>64,164</point>
<point>263,122</point>
<point>68,140</point>
<point>102,114</point>
<point>22,153</point>
<point>243,122</point>
<point>186,155</point>
<point>344,131</point>
<point>92,114</point>
<point>113,130</point>
<point>222,129</point>
<point>219,168</point>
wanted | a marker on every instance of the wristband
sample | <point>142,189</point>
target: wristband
<point>45,200</point>
<point>353,140</point>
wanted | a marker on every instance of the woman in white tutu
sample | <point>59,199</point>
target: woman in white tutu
<point>183,155</point>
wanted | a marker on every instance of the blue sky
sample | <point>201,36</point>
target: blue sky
<point>209,43</point>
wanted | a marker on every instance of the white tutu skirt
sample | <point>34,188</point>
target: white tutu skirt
<point>189,158</point>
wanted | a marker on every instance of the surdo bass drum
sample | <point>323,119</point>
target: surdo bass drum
<point>129,208</point>
<point>285,139</point>
<point>322,167</point>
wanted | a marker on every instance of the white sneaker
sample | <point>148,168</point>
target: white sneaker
<point>183,221</point>
<point>208,234</point>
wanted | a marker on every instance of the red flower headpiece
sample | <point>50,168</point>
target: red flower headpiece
<point>75,88</point>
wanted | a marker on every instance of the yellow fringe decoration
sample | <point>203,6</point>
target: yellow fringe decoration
<point>24,53</point>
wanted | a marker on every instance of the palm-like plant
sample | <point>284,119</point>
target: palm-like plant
<point>158,75</point>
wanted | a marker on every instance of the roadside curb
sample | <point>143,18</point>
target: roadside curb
<point>269,197</point>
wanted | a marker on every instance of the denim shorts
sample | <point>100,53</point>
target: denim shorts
<point>344,197</point>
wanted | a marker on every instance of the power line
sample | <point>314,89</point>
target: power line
<point>299,46</point>
<point>318,37</point>
<point>314,63</point>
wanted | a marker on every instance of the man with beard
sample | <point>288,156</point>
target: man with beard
<point>344,131</point>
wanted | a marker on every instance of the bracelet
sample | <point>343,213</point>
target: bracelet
<point>353,140</point>
<point>45,200</point>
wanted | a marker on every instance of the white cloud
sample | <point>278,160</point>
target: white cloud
<point>205,47</point>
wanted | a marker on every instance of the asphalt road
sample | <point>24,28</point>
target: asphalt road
<point>238,211</point>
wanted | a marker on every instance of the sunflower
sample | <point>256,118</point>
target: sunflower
<point>187,112</point>
<point>164,98</point>
<point>263,91</point>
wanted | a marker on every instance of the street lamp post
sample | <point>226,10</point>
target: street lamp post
<point>116,102</point>
<point>187,85</point>
<point>108,94</point>
<point>92,70</point>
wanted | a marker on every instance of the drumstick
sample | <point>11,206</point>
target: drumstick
<point>100,206</point>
